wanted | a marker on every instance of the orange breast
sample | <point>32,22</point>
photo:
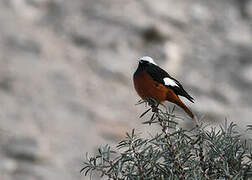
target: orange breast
<point>146,87</point>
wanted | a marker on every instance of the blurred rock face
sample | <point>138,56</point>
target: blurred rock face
<point>66,69</point>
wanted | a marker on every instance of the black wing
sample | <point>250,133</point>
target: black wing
<point>158,74</point>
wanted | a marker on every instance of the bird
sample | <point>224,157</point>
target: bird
<point>152,82</point>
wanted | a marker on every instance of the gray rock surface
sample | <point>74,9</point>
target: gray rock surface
<point>66,69</point>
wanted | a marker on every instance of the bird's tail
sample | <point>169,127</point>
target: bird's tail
<point>172,97</point>
<point>187,110</point>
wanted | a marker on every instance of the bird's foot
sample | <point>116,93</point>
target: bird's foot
<point>153,104</point>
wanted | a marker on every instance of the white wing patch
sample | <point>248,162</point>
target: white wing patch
<point>169,82</point>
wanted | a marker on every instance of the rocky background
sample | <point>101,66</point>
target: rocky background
<point>66,73</point>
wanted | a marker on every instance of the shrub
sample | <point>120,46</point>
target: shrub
<point>175,153</point>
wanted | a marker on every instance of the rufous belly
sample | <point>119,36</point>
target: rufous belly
<point>146,87</point>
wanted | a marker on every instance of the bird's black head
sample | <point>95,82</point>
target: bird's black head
<point>145,62</point>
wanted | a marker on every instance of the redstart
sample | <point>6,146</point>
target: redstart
<point>152,82</point>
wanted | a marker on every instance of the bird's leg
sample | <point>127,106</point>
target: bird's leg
<point>155,108</point>
<point>153,104</point>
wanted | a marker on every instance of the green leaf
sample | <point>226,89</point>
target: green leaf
<point>144,113</point>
